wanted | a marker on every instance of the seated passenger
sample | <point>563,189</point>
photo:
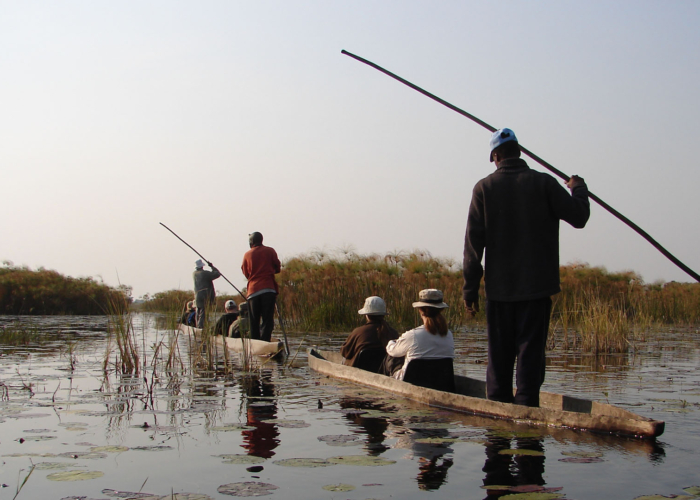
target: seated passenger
<point>432,340</point>
<point>371,337</point>
<point>241,325</point>
<point>227,319</point>
<point>189,315</point>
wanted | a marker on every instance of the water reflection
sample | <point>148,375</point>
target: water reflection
<point>509,464</point>
<point>261,406</point>
<point>374,428</point>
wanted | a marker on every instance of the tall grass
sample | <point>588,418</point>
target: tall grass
<point>323,292</point>
<point>41,292</point>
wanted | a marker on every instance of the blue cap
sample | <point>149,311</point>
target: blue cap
<point>501,137</point>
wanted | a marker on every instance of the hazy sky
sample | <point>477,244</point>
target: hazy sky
<point>219,118</point>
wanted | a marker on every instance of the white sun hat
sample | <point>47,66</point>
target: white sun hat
<point>373,305</point>
<point>430,297</point>
<point>231,305</point>
<point>199,264</point>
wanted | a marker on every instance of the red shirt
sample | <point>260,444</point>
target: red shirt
<point>260,264</point>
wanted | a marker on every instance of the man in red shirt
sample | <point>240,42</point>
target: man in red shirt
<point>260,264</point>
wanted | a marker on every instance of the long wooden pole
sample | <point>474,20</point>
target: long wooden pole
<point>539,160</point>
<point>195,251</point>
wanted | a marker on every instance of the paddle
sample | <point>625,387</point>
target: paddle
<point>286,344</point>
<point>539,160</point>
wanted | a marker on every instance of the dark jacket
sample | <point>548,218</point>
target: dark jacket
<point>367,336</point>
<point>204,293</point>
<point>514,214</point>
<point>224,322</point>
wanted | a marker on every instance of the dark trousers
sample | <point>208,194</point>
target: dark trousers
<point>517,330</point>
<point>201,316</point>
<point>262,307</point>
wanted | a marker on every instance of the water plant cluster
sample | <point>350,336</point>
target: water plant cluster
<point>44,291</point>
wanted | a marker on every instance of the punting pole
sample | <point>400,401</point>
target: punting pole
<point>286,343</point>
<point>205,260</point>
<point>539,160</point>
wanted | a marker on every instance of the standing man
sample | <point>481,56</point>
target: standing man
<point>204,293</point>
<point>514,215</point>
<point>260,264</point>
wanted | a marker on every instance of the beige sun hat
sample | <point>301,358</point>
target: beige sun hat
<point>373,305</point>
<point>430,297</point>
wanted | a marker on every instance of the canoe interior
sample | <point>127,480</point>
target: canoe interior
<point>470,396</point>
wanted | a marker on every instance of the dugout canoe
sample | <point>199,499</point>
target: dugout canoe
<point>555,410</point>
<point>257,347</point>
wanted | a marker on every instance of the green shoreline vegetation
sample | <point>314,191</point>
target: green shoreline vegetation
<point>597,311</point>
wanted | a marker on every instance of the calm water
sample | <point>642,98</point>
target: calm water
<point>203,435</point>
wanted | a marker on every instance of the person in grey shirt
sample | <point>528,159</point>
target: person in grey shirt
<point>204,293</point>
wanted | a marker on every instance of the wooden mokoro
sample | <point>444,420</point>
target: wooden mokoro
<point>256,347</point>
<point>555,409</point>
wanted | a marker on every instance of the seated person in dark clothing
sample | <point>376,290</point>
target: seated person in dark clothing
<point>225,321</point>
<point>374,335</point>
<point>189,315</point>
<point>241,325</point>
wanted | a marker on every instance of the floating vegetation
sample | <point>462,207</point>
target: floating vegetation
<point>155,447</point>
<point>339,487</point>
<point>54,465</point>
<point>37,438</point>
<point>521,452</point>
<point>341,440</point>
<point>74,475</point>
<point>247,489</point>
<point>241,459</point>
<point>436,440</point>
<point>289,424</point>
<point>109,449</point>
<point>303,462</point>
<point>361,460</point>
<point>87,455</point>
<point>232,427</point>
<point>429,425</point>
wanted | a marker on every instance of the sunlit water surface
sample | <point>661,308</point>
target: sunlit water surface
<point>198,434</point>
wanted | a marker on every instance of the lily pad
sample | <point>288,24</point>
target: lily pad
<point>247,489</point>
<point>43,437</point>
<point>38,431</point>
<point>522,451</point>
<point>339,487</point>
<point>74,475</point>
<point>241,459</point>
<point>157,447</point>
<point>361,460</point>
<point>663,497</point>
<point>303,462</point>
<point>430,425</point>
<point>692,490</point>
<point>109,449</point>
<point>232,427</point>
<point>127,494</point>
<point>289,424</point>
<point>87,455</point>
<point>435,440</point>
<point>341,440</point>
<point>53,465</point>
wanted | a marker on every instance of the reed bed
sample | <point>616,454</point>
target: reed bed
<point>43,291</point>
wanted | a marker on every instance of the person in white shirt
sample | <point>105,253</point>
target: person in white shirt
<point>432,340</point>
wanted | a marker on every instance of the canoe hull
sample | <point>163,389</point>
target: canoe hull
<point>470,397</point>
<point>256,347</point>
